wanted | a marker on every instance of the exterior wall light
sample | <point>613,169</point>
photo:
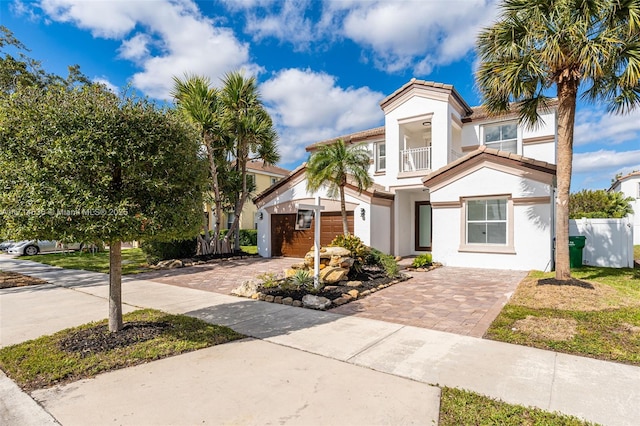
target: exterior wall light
<point>363,213</point>
<point>260,215</point>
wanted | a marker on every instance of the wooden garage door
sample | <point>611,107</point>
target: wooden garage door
<point>286,241</point>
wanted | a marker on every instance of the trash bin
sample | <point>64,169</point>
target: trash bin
<point>576,244</point>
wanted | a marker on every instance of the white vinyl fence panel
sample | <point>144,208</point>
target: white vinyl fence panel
<point>609,241</point>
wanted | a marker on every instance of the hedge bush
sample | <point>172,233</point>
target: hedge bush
<point>157,250</point>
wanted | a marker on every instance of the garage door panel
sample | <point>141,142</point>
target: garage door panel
<point>287,241</point>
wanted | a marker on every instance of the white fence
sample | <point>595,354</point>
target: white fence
<point>609,241</point>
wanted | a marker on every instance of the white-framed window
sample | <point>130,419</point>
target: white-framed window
<point>274,180</point>
<point>381,157</point>
<point>503,136</point>
<point>487,221</point>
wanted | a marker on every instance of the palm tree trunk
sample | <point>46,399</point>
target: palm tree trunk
<point>567,92</point>
<point>115,286</point>
<point>215,244</point>
<point>343,211</point>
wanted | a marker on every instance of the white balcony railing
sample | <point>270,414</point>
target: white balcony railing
<point>415,159</point>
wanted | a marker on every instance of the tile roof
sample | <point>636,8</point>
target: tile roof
<point>625,177</point>
<point>429,84</point>
<point>259,165</point>
<point>479,112</point>
<point>350,138</point>
<point>483,150</point>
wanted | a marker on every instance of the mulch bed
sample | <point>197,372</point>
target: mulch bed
<point>99,339</point>
<point>13,279</point>
<point>370,277</point>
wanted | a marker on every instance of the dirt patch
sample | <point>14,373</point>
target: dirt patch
<point>13,279</point>
<point>573,295</point>
<point>626,328</point>
<point>99,339</point>
<point>557,329</point>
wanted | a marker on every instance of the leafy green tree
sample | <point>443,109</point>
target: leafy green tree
<point>235,128</point>
<point>335,166</point>
<point>200,104</point>
<point>250,128</point>
<point>599,204</point>
<point>82,164</point>
<point>538,44</point>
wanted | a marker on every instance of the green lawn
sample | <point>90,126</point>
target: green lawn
<point>133,261</point>
<point>597,315</point>
<point>459,407</point>
<point>52,360</point>
<point>249,249</point>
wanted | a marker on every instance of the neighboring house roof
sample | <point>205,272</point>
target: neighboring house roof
<point>433,86</point>
<point>480,112</point>
<point>374,191</point>
<point>484,153</point>
<point>619,179</point>
<point>260,166</point>
<point>352,138</point>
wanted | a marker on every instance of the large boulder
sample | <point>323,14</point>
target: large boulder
<point>333,274</point>
<point>342,261</point>
<point>315,302</point>
<point>246,289</point>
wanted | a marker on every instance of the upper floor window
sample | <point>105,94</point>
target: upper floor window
<point>381,157</point>
<point>503,137</point>
<point>274,180</point>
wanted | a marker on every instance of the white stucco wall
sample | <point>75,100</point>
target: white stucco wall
<point>531,222</point>
<point>630,189</point>
<point>380,228</point>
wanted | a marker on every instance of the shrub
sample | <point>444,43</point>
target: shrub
<point>269,280</point>
<point>373,258</point>
<point>302,279</point>
<point>422,260</point>
<point>389,264</point>
<point>248,237</point>
<point>157,250</point>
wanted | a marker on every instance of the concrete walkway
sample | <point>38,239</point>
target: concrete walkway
<point>457,300</point>
<point>321,352</point>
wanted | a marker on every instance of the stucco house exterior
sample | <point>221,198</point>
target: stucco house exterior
<point>472,189</point>
<point>263,175</point>
<point>629,185</point>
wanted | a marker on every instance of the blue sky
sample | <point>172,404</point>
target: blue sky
<point>323,67</point>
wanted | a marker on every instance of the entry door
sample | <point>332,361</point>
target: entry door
<point>423,226</point>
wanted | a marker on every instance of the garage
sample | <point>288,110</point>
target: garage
<point>286,241</point>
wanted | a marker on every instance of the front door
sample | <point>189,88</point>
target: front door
<point>423,226</point>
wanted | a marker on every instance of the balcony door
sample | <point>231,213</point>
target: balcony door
<point>423,224</point>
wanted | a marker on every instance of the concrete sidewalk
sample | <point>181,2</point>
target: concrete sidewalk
<point>599,391</point>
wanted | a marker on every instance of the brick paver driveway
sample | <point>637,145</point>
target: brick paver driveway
<point>457,300</point>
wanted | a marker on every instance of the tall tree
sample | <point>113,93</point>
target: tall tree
<point>538,44</point>
<point>86,165</point>
<point>251,131</point>
<point>197,100</point>
<point>334,166</point>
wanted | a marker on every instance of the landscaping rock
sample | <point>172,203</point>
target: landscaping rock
<point>246,289</point>
<point>339,301</point>
<point>366,293</point>
<point>299,266</point>
<point>269,298</point>
<point>297,304</point>
<point>170,264</point>
<point>353,293</point>
<point>287,301</point>
<point>288,273</point>
<point>315,302</point>
<point>335,251</point>
<point>354,283</point>
<point>278,299</point>
<point>254,296</point>
<point>262,296</point>
<point>332,275</point>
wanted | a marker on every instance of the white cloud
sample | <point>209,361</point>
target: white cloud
<point>172,38</point>
<point>409,34</point>
<point>105,82</point>
<point>308,107</point>
<point>589,162</point>
<point>596,126</point>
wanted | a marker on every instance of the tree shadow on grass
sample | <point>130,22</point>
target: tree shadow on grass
<point>573,282</point>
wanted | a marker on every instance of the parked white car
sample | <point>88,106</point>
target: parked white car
<point>6,245</point>
<point>33,247</point>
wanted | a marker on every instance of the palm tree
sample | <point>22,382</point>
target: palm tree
<point>199,102</point>
<point>251,131</point>
<point>538,44</point>
<point>334,166</point>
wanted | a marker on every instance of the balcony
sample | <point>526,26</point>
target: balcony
<point>415,159</point>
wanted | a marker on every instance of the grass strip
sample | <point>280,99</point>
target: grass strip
<point>73,354</point>
<point>134,261</point>
<point>460,407</point>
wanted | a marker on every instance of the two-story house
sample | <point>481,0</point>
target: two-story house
<point>472,189</point>
<point>629,185</point>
